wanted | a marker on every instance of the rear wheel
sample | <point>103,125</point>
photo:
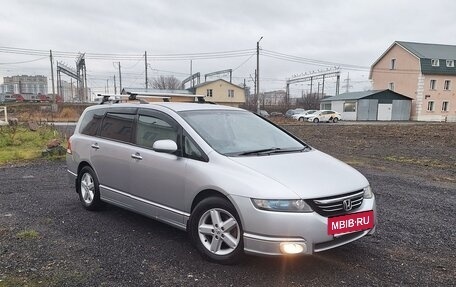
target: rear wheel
<point>301,119</point>
<point>88,189</point>
<point>316,120</point>
<point>216,230</point>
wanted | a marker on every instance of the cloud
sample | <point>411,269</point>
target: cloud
<point>350,31</point>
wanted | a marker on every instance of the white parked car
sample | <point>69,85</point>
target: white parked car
<point>301,116</point>
<point>323,116</point>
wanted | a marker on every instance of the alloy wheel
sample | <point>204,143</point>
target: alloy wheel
<point>87,188</point>
<point>219,231</point>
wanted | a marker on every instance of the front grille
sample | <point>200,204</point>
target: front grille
<point>334,205</point>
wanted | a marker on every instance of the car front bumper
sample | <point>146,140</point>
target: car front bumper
<point>265,231</point>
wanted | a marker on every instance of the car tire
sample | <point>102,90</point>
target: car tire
<point>316,120</point>
<point>301,119</point>
<point>335,120</point>
<point>87,186</point>
<point>215,218</point>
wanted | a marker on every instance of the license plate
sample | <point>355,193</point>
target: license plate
<point>351,222</point>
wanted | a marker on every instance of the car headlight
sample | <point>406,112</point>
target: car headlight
<point>293,205</point>
<point>368,194</point>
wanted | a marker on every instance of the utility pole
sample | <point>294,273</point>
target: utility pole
<point>311,85</point>
<point>191,71</point>
<point>287,98</point>
<point>337,84</point>
<point>323,87</point>
<point>115,88</point>
<point>145,66</point>
<point>120,79</point>
<point>254,86</point>
<point>107,86</point>
<point>52,76</point>
<point>347,85</point>
<point>258,76</point>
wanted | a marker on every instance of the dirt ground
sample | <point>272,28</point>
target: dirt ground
<point>48,239</point>
<point>418,149</point>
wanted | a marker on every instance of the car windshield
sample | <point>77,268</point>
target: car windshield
<point>290,112</point>
<point>235,133</point>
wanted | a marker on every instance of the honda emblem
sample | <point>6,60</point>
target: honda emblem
<point>347,204</point>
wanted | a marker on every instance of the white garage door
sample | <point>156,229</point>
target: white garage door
<point>384,112</point>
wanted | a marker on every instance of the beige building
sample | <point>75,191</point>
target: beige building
<point>221,92</point>
<point>424,72</point>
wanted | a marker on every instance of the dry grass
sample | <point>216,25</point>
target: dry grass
<point>28,234</point>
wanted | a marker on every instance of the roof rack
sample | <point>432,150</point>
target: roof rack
<point>145,98</point>
<point>115,99</point>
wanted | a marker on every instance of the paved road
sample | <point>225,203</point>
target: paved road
<point>414,245</point>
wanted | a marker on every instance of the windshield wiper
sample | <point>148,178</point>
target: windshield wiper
<point>271,151</point>
<point>261,151</point>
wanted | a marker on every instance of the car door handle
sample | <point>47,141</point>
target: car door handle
<point>136,156</point>
<point>95,146</point>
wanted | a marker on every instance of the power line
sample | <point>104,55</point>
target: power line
<point>291,58</point>
<point>23,62</point>
<point>243,63</point>
<point>119,56</point>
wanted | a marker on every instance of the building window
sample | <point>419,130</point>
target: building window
<point>350,107</point>
<point>230,93</point>
<point>209,93</point>
<point>432,84</point>
<point>391,86</point>
<point>430,106</point>
<point>435,62</point>
<point>326,106</point>
<point>445,107</point>
<point>446,85</point>
<point>393,64</point>
<point>450,63</point>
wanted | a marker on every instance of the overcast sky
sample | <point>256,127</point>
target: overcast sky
<point>347,32</point>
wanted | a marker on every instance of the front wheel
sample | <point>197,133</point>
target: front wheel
<point>88,189</point>
<point>316,120</point>
<point>216,230</point>
<point>335,120</point>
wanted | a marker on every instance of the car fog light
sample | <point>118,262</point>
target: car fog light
<point>292,247</point>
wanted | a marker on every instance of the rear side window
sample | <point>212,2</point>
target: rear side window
<point>117,126</point>
<point>91,122</point>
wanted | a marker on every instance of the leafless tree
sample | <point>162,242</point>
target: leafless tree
<point>166,83</point>
<point>310,101</point>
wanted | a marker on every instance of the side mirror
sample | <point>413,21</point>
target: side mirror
<point>166,146</point>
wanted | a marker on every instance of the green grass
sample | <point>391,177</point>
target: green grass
<point>55,278</point>
<point>28,234</point>
<point>19,143</point>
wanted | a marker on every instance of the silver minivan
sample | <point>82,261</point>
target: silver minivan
<point>234,181</point>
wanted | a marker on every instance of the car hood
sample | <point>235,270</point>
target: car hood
<point>310,174</point>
